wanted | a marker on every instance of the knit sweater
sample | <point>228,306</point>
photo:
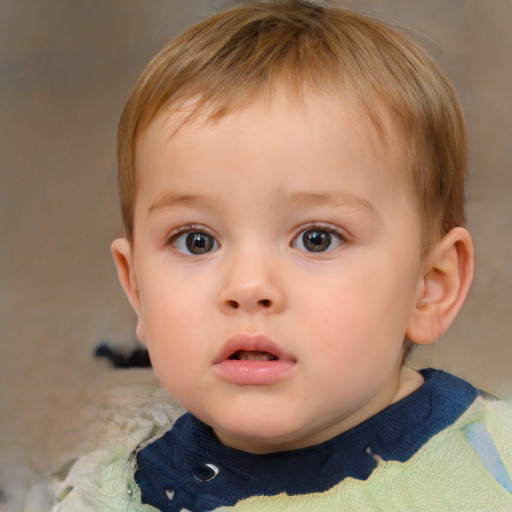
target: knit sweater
<point>447,446</point>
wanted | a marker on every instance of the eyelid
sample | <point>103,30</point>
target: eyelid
<point>322,226</point>
<point>188,228</point>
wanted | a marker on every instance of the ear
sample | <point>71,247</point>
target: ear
<point>447,275</point>
<point>123,258</point>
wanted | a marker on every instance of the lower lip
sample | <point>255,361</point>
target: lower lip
<point>253,373</point>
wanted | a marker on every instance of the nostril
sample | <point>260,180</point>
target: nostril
<point>233,304</point>
<point>265,303</point>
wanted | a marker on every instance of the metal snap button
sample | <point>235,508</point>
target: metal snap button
<point>206,472</point>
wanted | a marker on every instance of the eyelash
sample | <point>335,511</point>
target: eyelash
<point>324,228</point>
<point>173,238</point>
<point>319,227</point>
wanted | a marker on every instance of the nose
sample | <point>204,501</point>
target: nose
<point>251,285</point>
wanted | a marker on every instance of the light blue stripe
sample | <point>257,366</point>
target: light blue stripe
<point>482,442</point>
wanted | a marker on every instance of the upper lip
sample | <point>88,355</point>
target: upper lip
<point>252,343</point>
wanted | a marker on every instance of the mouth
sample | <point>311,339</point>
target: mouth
<point>252,355</point>
<point>245,347</point>
<point>253,360</point>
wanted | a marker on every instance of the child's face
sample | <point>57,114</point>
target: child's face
<point>277,258</point>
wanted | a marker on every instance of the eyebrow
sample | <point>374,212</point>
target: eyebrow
<point>280,199</point>
<point>337,199</point>
<point>171,200</point>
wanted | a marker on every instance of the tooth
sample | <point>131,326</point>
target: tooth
<point>246,355</point>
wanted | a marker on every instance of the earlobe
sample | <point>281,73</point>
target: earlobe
<point>447,276</point>
<point>123,257</point>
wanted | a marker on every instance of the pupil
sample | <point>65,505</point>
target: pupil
<point>199,243</point>
<point>316,241</point>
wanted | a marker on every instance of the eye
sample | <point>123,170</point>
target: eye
<point>318,239</point>
<point>194,243</point>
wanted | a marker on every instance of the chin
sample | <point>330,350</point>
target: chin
<point>258,436</point>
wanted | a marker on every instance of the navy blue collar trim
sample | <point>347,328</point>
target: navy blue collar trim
<point>179,470</point>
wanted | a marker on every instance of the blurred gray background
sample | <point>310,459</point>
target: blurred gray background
<point>66,68</point>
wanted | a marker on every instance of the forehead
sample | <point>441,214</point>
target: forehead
<point>183,151</point>
<point>190,119</point>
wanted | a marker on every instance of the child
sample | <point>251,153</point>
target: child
<point>292,187</point>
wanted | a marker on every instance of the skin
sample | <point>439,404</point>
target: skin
<point>252,185</point>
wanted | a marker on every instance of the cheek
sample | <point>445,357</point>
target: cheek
<point>171,322</point>
<point>175,345</point>
<point>357,306</point>
<point>166,297</point>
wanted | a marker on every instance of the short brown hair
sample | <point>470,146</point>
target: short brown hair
<point>227,59</point>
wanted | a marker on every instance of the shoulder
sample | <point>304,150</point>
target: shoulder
<point>463,463</point>
<point>103,480</point>
<point>487,428</point>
